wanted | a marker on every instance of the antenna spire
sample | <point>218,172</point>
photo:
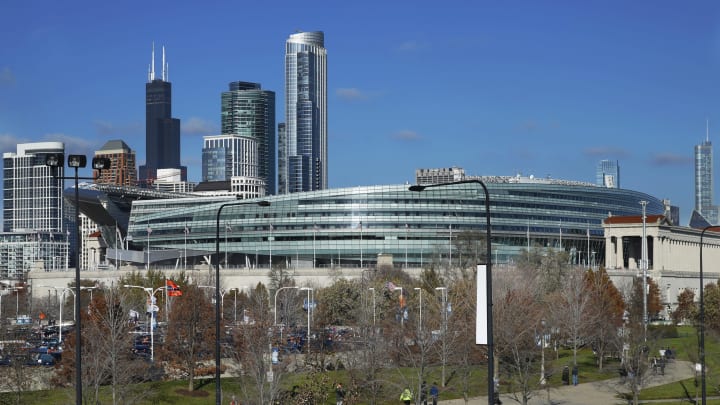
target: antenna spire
<point>164,65</point>
<point>707,130</point>
<point>152,63</point>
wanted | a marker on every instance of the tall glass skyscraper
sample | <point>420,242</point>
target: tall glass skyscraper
<point>608,174</point>
<point>32,197</point>
<point>704,182</point>
<point>306,151</point>
<point>247,112</point>
<point>162,132</point>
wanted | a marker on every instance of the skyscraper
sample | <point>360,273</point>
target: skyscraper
<point>248,112</point>
<point>608,174</point>
<point>162,132</point>
<point>704,182</point>
<point>32,198</point>
<point>123,169</point>
<point>306,150</point>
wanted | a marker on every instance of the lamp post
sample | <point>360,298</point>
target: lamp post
<point>276,295</point>
<point>419,290</point>
<point>17,301</point>
<point>402,308</point>
<point>309,308</point>
<point>644,268</point>
<point>151,293</point>
<point>62,301</point>
<point>542,352</point>
<point>702,314</point>
<point>262,203</point>
<point>443,291</point>
<point>488,278</point>
<point>373,304</point>
<point>55,160</point>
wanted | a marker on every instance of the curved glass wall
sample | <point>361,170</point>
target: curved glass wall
<point>355,226</point>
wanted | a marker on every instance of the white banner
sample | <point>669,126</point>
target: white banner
<point>481,321</point>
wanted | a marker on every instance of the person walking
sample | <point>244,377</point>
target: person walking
<point>339,394</point>
<point>423,393</point>
<point>406,396</point>
<point>434,393</point>
<point>575,374</point>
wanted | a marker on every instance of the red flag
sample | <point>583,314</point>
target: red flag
<point>172,289</point>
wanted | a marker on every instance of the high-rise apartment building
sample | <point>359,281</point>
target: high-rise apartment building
<point>306,150</point>
<point>248,113</point>
<point>607,174</point>
<point>162,132</point>
<point>32,198</point>
<point>123,169</point>
<point>704,182</point>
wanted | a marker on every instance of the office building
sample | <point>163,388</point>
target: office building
<point>607,174</point>
<point>123,168</point>
<point>248,113</point>
<point>233,160</point>
<point>306,150</point>
<point>162,132</point>
<point>705,212</point>
<point>35,232</point>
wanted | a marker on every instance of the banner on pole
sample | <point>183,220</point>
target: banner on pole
<point>481,321</point>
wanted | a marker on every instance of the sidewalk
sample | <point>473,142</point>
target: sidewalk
<point>595,393</point>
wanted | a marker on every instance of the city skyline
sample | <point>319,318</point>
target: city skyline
<point>542,89</point>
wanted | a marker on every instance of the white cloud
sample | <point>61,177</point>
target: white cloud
<point>198,126</point>
<point>8,142</point>
<point>73,145</point>
<point>407,135</point>
<point>351,94</point>
<point>6,76</point>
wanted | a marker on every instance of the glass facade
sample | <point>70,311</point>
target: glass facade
<point>608,174</point>
<point>306,146</point>
<point>704,182</point>
<point>249,112</point>
<point>353,226</point>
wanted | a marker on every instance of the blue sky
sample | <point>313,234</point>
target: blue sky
<point>543,88</point>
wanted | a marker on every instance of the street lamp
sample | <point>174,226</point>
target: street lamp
<point>373,299</point>
<point>55,160</point>
<point>488,280</point>
<point>443,291</point>
<point>151,294</point>
<point>62,301</point>
<point>542,352</point>
<point>644,268</point>
<point>702,314</point>
<point>276,295</point>
<point>402,308</point>
<point>309,305</point>
<point>262,203</point>
<point>17,301</point>
<point>419,290</point>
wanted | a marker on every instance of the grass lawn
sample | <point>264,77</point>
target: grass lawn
<point>394,379</point>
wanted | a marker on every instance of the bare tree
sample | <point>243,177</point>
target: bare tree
<point>606,315</point>
<point>252,346</point>
<point>191,332</point>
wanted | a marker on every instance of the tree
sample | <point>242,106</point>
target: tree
<point>339,303</point>
<point>252,343</point>
<point>607,308</point>
<point>687,309</point>
<point>712,307</point>
<point>191,332</point>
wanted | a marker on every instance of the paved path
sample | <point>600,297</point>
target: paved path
<point>594,393</point>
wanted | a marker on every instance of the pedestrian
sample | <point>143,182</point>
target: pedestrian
<point>406,396</point>
<point>339,394</point>
<point>566,376</point>
<point>423,393</point>
<point>575,374</point>
<point>434,393</point>
<point>233,401</point>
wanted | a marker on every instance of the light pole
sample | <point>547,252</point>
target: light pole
<point>222,298</point>
<point>151,293</point>
<point>309,308</point>
<point>402,307</point>
<point>262,203</point>
<point>702,314</point>
<point>488,281</point>
<point>276,295</point>
<point>227,228</point>
<point>17,301</point>
<point>644,268</point>
<point>62,301</point>
<point>419,290</point>
<point>542,352</point>
<point>373,304</point>
<point>443,291</point>
<point>55,160</point>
